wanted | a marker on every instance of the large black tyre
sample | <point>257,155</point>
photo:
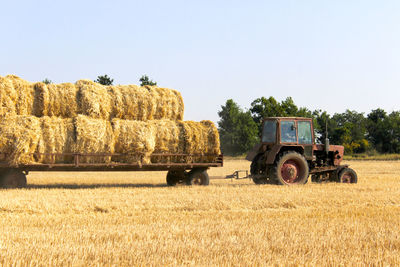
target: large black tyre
<point>13,179</point>
<point>347,175</point>
<point>260,180</point>
<point>291,168</point>
<point>255,170</point>
<point>198,177</point>
<point>175,177</point>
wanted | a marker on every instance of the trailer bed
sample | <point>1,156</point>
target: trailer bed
<point>181,162</point>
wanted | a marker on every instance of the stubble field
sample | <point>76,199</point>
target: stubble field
<point>126,219</point>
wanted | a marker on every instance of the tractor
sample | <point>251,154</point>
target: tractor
<point>288,154</point>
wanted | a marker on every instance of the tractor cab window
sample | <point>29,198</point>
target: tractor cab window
<point>288,132</point>
<point>304,131</point>
<point>269,132</point>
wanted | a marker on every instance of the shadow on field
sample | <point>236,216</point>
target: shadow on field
<point>92,186</point>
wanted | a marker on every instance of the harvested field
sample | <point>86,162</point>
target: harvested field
<point>130,219</point>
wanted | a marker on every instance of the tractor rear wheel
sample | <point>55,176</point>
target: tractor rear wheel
<point>257,171</point>
<point>291,168</point>
<point>13,179</point>
<point>347,175</point>
<point>198,177</point>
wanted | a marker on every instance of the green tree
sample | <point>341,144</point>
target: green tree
<point>237,129</point>
<point>47,81</point>
<point>265,107</point>
<point>145,80</point>
<point>268,107</point>
<point>378,128</point>
<point>351,131</point>
<point>104,80</point>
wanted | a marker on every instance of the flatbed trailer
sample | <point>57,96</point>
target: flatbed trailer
<point>190,169</point>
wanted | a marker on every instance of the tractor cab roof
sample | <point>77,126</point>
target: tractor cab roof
<point>286,118</point>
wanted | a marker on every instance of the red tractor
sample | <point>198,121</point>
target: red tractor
<point>288,154</point>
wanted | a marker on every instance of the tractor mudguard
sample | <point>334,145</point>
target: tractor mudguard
<point>254,152</point>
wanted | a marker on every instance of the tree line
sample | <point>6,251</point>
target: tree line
<point>376,132</point>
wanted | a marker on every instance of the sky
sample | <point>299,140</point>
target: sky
<point>328,55</point>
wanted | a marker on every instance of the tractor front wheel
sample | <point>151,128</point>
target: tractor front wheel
<point>347,175</point>
<point>291,168</point>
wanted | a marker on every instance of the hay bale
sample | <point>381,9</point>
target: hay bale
<point>93,136</point>
<point>168,139</point>
<point>19,137</point>
<point>8,97</point>
<point>93,99</point>
<point>89,98</point>
<point>136,139</point>
<point>132,102</point>
<point>169,103</point>
<point>57,136</point>
<point>200,138</point>
<point>25,95</point>
<point>56,100</point>
<point>213,142</point>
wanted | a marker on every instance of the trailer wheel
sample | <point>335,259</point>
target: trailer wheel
<point>175,177</point>
<point>13,179</point>
<point>347,175</point>
<point>198,177</point>
<point>291,168</point>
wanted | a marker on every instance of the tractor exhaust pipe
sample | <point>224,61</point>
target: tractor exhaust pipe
<point>326,138</point>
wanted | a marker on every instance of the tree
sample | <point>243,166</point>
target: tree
<point>104,80</point>
<point>237,129</point>
<point>47,81</point>
<point>268,107</point>
<point>377,128</point>
<point>145,80</point>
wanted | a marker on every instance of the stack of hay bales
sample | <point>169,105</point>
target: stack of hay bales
<point>125,123</point>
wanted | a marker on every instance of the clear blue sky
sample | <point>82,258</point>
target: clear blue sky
<point>329,55</point>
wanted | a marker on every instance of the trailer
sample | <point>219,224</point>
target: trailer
<point>189,169</point>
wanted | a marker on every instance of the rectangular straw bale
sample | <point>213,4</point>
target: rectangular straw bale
<point>25,95</point>
<point>19,136</point>
<point>25,91</point>
<point>8,97</point>
<point>213,142</point>
<point>56,100</point>
<point>57,136</point>
<point>93,136</point>
<point>169,103</point>
<point>200,138</point>
<point>168,139</point>
<point>136,139</point>
<point>132,102</point>
<point>93,99</point>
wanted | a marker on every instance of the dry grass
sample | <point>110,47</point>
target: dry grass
<point>81,219</point>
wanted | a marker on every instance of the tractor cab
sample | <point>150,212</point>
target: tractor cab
<point>288,131</point>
